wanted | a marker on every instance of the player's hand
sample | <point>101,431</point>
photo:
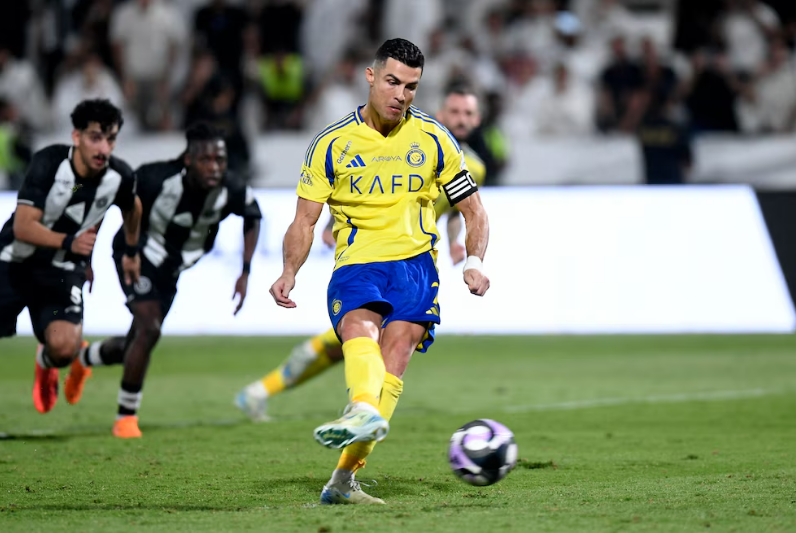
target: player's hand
<point>241,286</point>
<point>328,238</point>
<point>476,281</point>
<point>280,290</point>
<point>90,277</point>
<point>84,243</point>
<point>458,253</point>
<point>131,266</point>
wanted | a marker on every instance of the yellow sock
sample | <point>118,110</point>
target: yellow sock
<point>325,342</point>
<point>364,370</point>
<point>274,381</point>
<point>353,457</point>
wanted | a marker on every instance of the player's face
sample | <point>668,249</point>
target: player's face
<point>208,163</point>
<point>460,115</point>
<point>94,146</point>
<point>392,89</point>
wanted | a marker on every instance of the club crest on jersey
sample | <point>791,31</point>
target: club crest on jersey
<point>143,285</point>
<point>415,157</point>
<point>336,306</point>
<point>101,202</point>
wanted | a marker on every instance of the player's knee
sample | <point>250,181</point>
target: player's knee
<point>150,331</point>
<point>62,351</point>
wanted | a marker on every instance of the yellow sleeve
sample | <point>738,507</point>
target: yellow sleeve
<point>317,181</point>
<point>452,158</point>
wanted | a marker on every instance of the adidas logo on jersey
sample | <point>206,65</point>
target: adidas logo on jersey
<point>355,162</point>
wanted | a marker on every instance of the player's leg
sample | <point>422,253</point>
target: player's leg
<point>55,303</point>
<point>103,353</point>
<point>408,328</point>
<point>144,335</point>
<point>305,361</point>
<point>11,303</point>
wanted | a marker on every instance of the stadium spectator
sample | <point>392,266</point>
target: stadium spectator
<point>566,106</point>
<point>321,46</point>
<point>147,36</point>
<point>445,61</point>
<point>711,93</point>
<point>92,20</point>
<point>20,85</point>
<point>280,25</point>
<point>523,92</point>
<point>533,33</point>
<point>665,144</point>
<point>337,97</point>
<point>283,84</point>
<point>15,146</point>
<point>619,92</point>
<point>219,28</point>
<point>776,90</point>
<point>603,21</point>
<point>193,95</point>
<point>745,28</point>
<point>91,80</point>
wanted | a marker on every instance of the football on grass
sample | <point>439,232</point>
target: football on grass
<point>482,452</point>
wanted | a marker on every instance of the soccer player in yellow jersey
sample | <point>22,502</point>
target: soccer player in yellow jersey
<point>380,169</point>
<point>460,114</point>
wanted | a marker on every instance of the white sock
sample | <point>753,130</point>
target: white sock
<point>91,356</point>
<point>258,390</point>
<point>341,475</point>
<point>364,406</point>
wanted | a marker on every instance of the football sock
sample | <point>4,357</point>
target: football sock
<point>44,360</point>
<point>306,361</point>
<point>102,353</point>
<point>129,399</point>
<point>364,370</point>
<point>353,457</point>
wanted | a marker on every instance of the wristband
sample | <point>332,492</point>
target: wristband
<point>473,263</point>
<point>67,243</point>
<point>247,268</point>
<point>130,250</point>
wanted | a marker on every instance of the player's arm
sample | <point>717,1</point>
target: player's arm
<point>461,191</point>
<point>454,226</point>
<point>30,208</point>
<point>130,205</point>
<point>296,248</point>
<point>251,233</point>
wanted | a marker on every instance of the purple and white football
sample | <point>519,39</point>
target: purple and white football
<point>482,452</point>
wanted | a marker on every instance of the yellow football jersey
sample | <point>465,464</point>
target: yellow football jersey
<point>381,190</point>
<point>477,170</point>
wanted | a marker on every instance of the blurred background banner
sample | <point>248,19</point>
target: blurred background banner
<point>562,260</point>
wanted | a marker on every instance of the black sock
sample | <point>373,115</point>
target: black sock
<point>129,399</point>
<point>102,353</point>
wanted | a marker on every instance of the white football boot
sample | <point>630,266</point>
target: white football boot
<point>360,422</point>
<point>347,492</point>
<point>253,401</point>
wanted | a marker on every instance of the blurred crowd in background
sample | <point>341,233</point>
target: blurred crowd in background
<point>543,68</point>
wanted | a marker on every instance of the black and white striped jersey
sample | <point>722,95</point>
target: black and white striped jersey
<point>70,204</point>
<point>180,221</point>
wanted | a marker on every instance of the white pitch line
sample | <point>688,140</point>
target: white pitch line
<point>721,395</point>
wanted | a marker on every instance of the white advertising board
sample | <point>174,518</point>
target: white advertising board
<point>561,260</point>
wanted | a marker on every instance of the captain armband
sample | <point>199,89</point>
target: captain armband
<point>460,187</point>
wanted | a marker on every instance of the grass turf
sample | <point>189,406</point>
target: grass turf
<point>615,434</point>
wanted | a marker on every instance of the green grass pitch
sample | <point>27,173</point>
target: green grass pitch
<point>688,433</point>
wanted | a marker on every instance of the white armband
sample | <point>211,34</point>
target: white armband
<point>473,263</point>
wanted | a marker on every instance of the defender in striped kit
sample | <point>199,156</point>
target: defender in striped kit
<point>46,244</point>
<point>184,201</point>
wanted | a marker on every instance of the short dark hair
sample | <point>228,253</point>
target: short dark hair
<point>98,110</point>
<point>400,50</point>
<point>461,89</point>
<point>202,132</point>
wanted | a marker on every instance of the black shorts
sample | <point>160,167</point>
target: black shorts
<point>154,285</point>
<point>49,293</point>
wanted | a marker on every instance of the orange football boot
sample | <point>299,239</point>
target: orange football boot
<point>126,427</point>
<point>45,387</point>
<point>76,380</point>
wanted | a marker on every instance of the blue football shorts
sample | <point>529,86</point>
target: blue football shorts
<point>406,290</point>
